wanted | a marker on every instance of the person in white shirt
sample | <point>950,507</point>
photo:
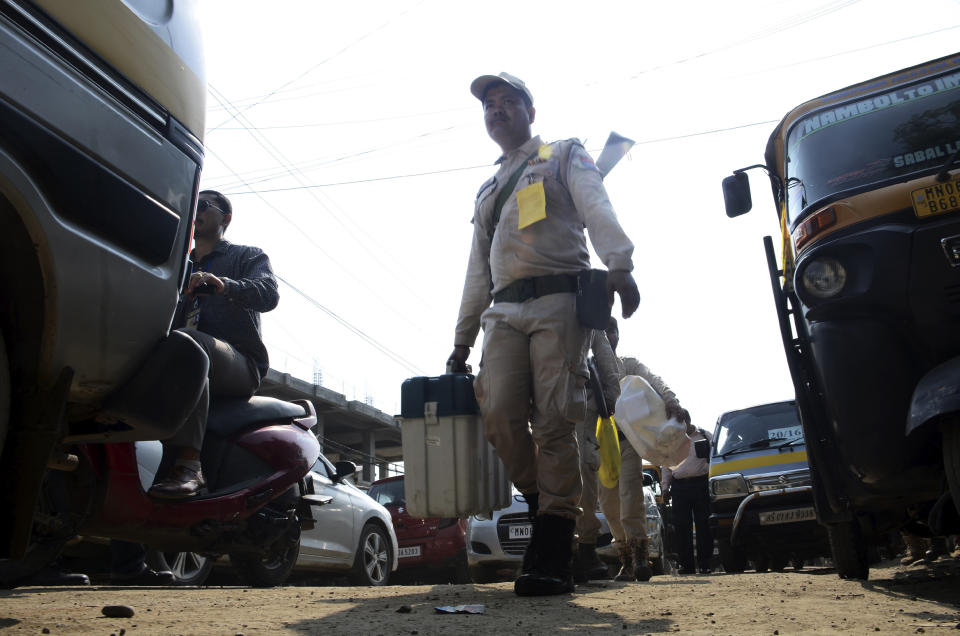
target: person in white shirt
<point>687,484</point>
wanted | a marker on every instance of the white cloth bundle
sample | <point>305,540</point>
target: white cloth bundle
<point>642,417</point>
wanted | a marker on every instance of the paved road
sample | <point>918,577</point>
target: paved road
<point>895,600</point>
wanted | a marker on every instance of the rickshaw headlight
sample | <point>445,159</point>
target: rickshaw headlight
<point>726,486</point>
<point>824,277</point>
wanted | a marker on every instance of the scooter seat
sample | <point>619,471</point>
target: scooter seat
<point>227,416</point>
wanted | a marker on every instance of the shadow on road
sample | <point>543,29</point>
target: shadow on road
<point>938,582</point>
<point>504,613</point>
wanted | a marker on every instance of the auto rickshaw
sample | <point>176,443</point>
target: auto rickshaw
<point>866,184</point>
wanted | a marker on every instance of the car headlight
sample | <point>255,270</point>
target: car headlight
<point>824,277</point>
<point>724,486</point>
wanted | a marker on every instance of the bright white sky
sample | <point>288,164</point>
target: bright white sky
<point>351,148</point>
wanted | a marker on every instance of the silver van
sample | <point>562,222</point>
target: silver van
<point>101,125</point>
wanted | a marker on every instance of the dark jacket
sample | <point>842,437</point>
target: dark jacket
<point>250,288</point>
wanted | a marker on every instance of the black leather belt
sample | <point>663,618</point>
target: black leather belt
<point>527,288</point>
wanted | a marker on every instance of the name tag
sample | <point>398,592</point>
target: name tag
<point>532,202</point>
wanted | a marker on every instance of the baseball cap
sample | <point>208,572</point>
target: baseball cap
<point>479,85</point>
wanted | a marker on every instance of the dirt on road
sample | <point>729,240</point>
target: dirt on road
<point>918,599</point>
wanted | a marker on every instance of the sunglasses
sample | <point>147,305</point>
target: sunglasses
<point>203,204</point>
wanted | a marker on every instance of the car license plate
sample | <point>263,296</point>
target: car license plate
<point>410,551</point>
<point>937,198</point>
<point>521,531</point>
<point>787,516</point>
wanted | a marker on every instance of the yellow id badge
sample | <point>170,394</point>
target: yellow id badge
<point>532,202</point>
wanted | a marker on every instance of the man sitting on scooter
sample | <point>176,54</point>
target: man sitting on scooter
<point>229,287</point>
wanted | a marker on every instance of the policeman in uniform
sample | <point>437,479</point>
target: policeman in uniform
<point>528,246</point>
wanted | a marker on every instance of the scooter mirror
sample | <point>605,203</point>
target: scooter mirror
<point>702,449</point>
<point>345,469</point>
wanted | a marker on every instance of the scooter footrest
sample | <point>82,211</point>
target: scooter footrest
<point>317,500</point>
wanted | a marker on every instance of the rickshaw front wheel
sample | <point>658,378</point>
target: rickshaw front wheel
<point>951,457</point>
<point>849,550</point>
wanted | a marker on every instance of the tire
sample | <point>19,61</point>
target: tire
<point>461,569</point>
<point>5,392</point>
<point>53,526</point>
<point>778,562</point>
<point>371,565</point>
<point>849,551</point>
<point>733,560</point>
<point>483,574</point>
<point>273,569</point>
<point>761,563</point>
<point>951,458</point>
<point>797,563</point>
<point>659,565</point>
<point>189,568</point>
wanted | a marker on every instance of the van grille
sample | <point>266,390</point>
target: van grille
<point>791,479</point>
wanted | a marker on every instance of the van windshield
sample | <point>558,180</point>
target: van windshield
<point>760,427</point>
<point>387,493</point>
<point>870,140</point>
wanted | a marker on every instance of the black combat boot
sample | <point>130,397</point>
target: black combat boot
<point>530,553</point>
<point>552,571</point>
<point>587,566</point>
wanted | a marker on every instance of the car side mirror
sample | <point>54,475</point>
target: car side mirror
<point>736,194</point>
<point>647,479</point>
<point>702,448</point>
<point>344,469</point>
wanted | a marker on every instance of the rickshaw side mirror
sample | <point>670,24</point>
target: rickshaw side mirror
<point>736,194</point>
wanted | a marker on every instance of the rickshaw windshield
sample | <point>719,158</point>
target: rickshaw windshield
<point>753,429</point>
<point>872,140</point>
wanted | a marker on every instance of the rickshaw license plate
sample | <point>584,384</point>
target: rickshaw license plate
<point>787,516</point>
<point>937,199</point>
<point>521,532</point>
<point>410,551</point>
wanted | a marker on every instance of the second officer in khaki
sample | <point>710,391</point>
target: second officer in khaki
<point>528,247</point>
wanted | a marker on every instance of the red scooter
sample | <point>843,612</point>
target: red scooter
<point>255,456</point>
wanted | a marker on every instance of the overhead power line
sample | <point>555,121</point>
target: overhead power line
<point>397,358</point>
<point>485,166</point>
<point>317,65</point>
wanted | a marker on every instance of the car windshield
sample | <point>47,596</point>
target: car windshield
<point>387,493</point>
<point>760,427</point>
<point>871,140</point>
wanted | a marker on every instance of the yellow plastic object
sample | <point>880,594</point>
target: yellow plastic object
<point>609,452</point>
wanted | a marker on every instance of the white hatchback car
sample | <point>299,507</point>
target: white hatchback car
<point>352,535</point>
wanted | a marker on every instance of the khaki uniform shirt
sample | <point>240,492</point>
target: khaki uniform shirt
<point>632,366</point>
<point>575,198</point>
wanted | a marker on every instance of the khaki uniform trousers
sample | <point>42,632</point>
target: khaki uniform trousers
<point>624,506</point>
<point>534,352</point>
<point>588,525</point>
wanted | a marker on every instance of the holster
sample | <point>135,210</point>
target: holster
<point>593,309</point>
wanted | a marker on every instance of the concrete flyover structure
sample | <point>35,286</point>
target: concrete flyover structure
<point>347,429</point>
